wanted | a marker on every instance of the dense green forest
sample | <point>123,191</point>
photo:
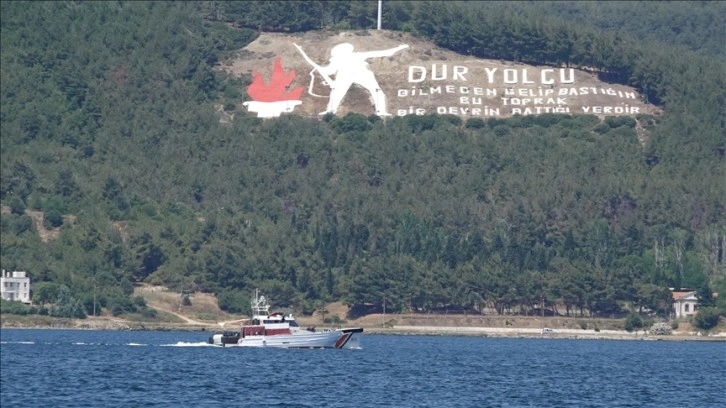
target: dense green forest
<point>109,128</point>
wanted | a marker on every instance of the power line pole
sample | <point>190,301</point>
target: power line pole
<point>542,298</point>
<point>380,6</point>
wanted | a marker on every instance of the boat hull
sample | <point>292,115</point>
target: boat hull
<point>301,339</point>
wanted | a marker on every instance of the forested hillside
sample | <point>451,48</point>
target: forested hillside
<point>110,127</point>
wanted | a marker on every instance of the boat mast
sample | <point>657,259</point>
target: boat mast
<point>259,305</point>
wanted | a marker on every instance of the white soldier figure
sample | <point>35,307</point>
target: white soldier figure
<point>350,68</point>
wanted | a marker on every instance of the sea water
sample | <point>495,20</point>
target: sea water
<point>76,368</point>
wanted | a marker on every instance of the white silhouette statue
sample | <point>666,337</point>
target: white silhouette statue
<point>350,68</point>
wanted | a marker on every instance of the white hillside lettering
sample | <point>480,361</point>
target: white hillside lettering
<point>394,74</point>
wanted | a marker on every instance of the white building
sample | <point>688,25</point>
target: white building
<point>685,303</point>
<point>15,286</point>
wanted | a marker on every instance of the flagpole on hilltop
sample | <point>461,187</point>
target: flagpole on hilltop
<point>380,6</point>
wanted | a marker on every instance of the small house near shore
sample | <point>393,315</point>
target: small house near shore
<point>685,303</point>
<point>15,286</point>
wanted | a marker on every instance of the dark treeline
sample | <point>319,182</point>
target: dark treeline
<point>696,25</point>
<point>109,128</point>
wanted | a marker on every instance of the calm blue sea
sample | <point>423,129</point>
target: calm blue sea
<point>74,368</point>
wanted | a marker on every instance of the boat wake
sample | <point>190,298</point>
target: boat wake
<point>188,344</point>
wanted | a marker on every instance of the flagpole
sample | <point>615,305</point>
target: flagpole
<point>380,6</point>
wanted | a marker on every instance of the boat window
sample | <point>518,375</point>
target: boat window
<point>293,323</point>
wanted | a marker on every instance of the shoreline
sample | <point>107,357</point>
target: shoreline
<point>528,333</point>
<point>390,330</point>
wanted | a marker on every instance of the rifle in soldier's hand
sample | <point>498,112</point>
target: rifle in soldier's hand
<point>328,81</point>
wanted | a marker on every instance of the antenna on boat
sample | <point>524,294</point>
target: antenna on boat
<point>259,304</point>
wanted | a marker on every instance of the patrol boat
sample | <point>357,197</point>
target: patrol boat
<point>276,329</point>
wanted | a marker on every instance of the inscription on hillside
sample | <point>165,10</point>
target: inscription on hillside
<point>393,74</point>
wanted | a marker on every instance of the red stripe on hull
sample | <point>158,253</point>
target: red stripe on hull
<point>342,340</point>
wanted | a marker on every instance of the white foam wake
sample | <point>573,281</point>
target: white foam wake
<point>187,344</point>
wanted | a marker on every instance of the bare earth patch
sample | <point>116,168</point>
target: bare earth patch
<point>411,79</point>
